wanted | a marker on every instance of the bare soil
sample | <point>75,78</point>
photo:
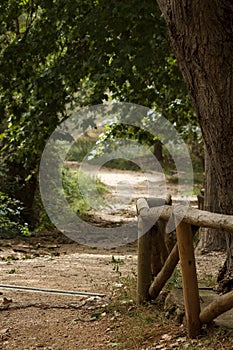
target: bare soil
<point>48,321</point>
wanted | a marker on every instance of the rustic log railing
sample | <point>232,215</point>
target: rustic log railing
<point>151,280</point>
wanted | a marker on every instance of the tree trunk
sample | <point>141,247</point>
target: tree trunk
<point>158,150</point>
<point>211,239</point>
<point>201,35</point>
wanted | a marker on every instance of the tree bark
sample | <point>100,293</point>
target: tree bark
<point>158,150</point>
<point>201,36</point>
<point>210,238</point>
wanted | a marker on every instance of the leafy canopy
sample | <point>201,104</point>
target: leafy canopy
<point>56,55</point>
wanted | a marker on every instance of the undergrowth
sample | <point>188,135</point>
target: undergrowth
<point>83,192</point>
<point>10,217</point>
<point>149,327</point>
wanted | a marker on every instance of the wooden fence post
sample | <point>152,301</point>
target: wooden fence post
<point>151,246</point>
<point>189,278</point>
<point>192,219</point>
<point>144,263</point>
<point>156,261</point>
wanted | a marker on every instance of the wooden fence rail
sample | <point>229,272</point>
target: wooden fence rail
<point>187,220</point>
<point>190,215</point>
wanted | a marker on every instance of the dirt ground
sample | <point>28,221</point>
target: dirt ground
<point>47,321</point>
<point>49,260</point>
<point>51,321</point>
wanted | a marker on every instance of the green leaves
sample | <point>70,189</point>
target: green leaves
<point>56,55</point>
<point>117,46</point>
<point>10,211</point>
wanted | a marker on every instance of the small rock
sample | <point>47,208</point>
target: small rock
<point>166,337</point>
<point>4,331</point>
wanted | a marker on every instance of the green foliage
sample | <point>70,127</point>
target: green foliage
<point>80,149</point>
<point>57,44</point>
<point>10,217</point>
<point>57,55</point>
<point>77,185</point>
<point>119,130</point>
<point>116,262</point>
<point>41,72</point>
<point>108,141</point>
<point>135,61</point>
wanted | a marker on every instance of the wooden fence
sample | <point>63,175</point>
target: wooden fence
<point>156,262</point>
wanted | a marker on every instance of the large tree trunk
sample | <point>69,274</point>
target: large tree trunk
<point>201,35</point>
<point>211,239</point>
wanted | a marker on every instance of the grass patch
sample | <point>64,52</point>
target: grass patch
<point>149,327</point>
<point>78,187</point>
<point>134,324</point>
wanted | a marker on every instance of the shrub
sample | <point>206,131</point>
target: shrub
<point>78,186</point>
<point>10,217</point>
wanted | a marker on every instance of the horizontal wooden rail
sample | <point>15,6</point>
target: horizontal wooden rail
<point>189,215</point>
<point>186,220</point>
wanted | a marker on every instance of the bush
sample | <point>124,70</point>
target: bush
<point>76,196</point>
<point>10,217</point>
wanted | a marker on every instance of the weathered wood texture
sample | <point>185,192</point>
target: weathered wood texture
<point>166,272</point>
<point>185,218</point>
<point>158,250</point>
<point>189,215</point>
<point>216,308</point>
<point>152,249</point>
<point>189,278</point>
<point>144,263</point>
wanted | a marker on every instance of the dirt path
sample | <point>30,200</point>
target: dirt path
<point>127,186</point>
<point>31,321</point>
<point>45,321</point>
